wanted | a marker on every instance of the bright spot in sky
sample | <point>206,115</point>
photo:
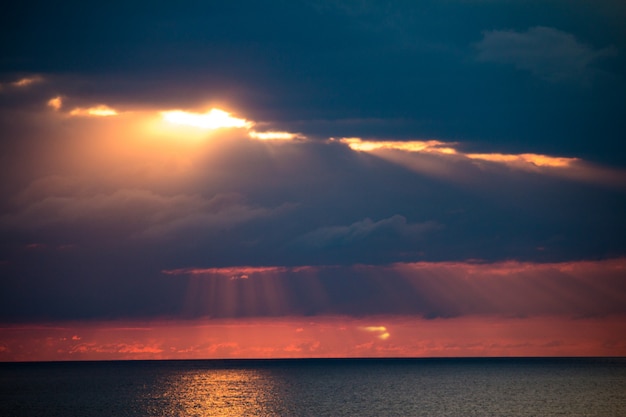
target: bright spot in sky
<point>56,103</point>
<point>272,135</point>
<point>97,111</point>
<point>213,119</point>
<point>383,334</point>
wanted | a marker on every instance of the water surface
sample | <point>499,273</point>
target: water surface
<point>317,387</point>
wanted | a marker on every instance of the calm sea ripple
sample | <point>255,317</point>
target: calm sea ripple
<point>324,387</point>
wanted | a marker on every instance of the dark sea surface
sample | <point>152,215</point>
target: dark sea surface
<point>317,387</point>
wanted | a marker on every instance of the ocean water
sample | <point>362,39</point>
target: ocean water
<point>317,387</point>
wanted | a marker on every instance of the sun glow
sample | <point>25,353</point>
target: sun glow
<point>213,119</point>
<point>381,331</point>
<point>273,135</point>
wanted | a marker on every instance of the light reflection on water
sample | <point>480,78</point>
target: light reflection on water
<point>219,392</point>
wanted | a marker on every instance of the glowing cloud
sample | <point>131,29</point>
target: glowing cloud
<point>96,111</point>
<point>56,103</point>
<point>213,119</point>
<point>381,331</point>
<point>26,81</point>
<point>436,146</point>
<point>525,158</point>
<point>273,135</point>
<point>524,161</point>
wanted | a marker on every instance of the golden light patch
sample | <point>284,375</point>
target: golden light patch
<point>381,331</point>
<point>434,146</point>
<point>359,144</point>
<point>213,119</point>
<point>273,135</point>
<point>528,158</point>
<point>56,103</point>
<point>96,111</point>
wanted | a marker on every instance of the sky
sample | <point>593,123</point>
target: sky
<point>312,178</point>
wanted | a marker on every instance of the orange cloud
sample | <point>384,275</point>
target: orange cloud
<point>26,81</point>
<point>525,158</point>
<point>433,146</point>
<point>443,159</point>
<point>100,110</point>
<point>56,103</point>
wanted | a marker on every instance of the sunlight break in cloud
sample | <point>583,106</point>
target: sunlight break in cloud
<point>525,158</point>
<point>220,119</point>
<point>96,111</point>
<point>434,146</point>
<point>273,135</point>
<point>213,119</point>
<point>381,331</point>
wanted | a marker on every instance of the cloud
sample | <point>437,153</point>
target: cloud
<point>23,82</point>
<point>426,289</point>
<point>56,103</point>
<point>134,213</point>
<point>238,272</point>
<point>394,226</point>
<point>525,160</point>
<point>100,110</point>
<point>446,160</point>
<point>228,216</point>
<point>547,53</point>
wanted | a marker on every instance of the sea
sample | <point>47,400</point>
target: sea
<point>317,387</point>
